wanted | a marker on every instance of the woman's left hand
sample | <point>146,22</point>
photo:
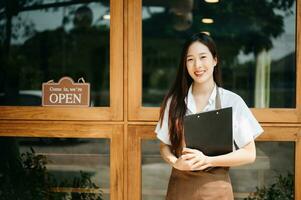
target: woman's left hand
<point>197,159</point>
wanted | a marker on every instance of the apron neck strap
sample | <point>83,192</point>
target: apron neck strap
<point>218,104</point>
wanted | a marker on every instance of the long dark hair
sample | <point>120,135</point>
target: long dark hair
<point>179,91</point>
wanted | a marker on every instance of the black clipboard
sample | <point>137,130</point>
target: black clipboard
<point>210,132</point>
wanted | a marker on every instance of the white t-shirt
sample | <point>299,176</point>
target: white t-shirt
<point>245,127</point>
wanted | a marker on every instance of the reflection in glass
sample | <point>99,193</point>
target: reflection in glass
<point>155,171</point>
<point>255,40</point>
<point>46,40</point>
<point>36,168</point>
<point>274,159</point>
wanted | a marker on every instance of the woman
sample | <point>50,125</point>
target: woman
<point>194,91</point>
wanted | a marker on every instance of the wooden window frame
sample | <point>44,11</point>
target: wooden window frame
<point>62,129</point>
<point>113,112</point>
<point>137,112</point>
<point>139,133</point>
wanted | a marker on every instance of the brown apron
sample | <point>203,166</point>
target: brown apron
<point>214,184</point>
<point>200,185</point>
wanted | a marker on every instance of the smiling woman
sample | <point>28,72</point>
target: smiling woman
<point>196,89</point>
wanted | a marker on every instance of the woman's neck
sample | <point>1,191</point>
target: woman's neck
<point>201,89</point>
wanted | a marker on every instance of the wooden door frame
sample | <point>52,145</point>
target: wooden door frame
<point>126,122</point>
<point>280,124</point>
<point>113,112</point>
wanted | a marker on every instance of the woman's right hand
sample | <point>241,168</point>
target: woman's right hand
<point>182,164</point>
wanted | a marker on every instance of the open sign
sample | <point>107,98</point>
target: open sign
<point>66,93</point>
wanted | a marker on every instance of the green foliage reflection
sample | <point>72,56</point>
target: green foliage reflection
<point>28,179</point>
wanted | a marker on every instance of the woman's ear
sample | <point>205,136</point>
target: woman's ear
<point>215,61</point>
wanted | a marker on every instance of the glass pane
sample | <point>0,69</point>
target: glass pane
<point>274,165</point>
<point>268,169</point>
<point>42,40</point>
<point>59,169</point>
<point>255,39</point>
<point>155,171</point>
